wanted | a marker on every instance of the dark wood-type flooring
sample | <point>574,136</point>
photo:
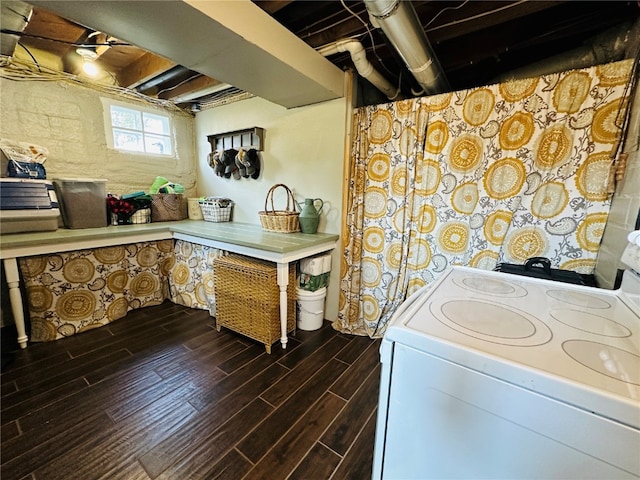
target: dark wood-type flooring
<point>160,394</point>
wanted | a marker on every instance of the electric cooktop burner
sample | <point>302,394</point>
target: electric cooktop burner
<point>575,332</point>
<point>590,322</point>
<point>491,322</point>
<point>579,299</point>
<point>490,286</point>
<point>605,359</point>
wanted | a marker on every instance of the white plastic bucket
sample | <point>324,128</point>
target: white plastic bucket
<point>311,308</point>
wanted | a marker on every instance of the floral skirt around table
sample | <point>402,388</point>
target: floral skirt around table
<point>76,291</point>
<point>191,279</point>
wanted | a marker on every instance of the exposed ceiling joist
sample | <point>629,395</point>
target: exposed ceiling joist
<point>233,42</point>
<point>166,43</point>
<point>148,66</point>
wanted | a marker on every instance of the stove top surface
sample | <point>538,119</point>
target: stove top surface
<point>569,341</point>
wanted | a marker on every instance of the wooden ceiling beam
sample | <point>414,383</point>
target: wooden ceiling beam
<point>477,17</point>
<point>143,69</point>
<point>185,90</point>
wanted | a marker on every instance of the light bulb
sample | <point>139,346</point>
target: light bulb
<point>90,68</point>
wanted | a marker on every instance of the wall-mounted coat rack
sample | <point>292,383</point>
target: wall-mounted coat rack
<point>247,138</point>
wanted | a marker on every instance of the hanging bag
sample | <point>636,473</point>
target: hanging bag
<point>167,207</point>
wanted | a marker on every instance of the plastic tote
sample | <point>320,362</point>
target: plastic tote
<point>311,308</point>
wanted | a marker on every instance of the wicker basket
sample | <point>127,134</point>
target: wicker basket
<point>248,298</point>
<point>282,221</point>
<point>215,210</point>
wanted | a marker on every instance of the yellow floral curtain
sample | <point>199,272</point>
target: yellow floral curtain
<point>475,177</point>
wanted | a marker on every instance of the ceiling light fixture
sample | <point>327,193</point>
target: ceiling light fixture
<point>88,52</point>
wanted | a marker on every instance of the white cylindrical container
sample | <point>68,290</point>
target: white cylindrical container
<point>311,308</point>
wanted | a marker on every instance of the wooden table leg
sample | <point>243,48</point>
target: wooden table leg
<point>283,282</point>
<point>13,281</point>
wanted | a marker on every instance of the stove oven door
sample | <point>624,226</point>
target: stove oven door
<point>441,420</point>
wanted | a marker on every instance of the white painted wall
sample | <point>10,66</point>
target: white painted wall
<point>303,149</point>
<point>67,119</point>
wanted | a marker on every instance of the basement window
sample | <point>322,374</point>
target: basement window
<point>137,129</point>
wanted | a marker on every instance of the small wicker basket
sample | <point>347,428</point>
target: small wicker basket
<point>282,221</point>
<point>216,210</point>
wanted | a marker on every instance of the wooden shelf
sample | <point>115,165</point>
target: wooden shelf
<point>246,138</point>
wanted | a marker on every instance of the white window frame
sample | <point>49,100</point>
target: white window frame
<point>107,103</point>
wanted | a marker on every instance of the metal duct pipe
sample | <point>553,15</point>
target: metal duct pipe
<point>399,22</point>
<point>171,74</point>
<point>15,17</point>
<point>611,45</point>
<point>362,64</point>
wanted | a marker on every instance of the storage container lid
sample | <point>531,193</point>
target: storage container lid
<point>84,180</point>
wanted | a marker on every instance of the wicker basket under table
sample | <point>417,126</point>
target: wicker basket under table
<point>248,298</point>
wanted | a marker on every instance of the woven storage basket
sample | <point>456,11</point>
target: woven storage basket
<point>282,221</point>
<point>248,298</point>
<point>214,210</point>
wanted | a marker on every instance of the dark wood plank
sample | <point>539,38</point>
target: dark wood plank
<point>358,461</point>
<point>305,369</point>
<point>14,406</point>
<point>360,369</point>
<point>65,412</point>
<point>202,399</point>
<point>179,386</point>
<point>160,394</point>
<point>342,432</point>
<point>314,341</point>
<point>197,455</point>
<point>293,446</point>
<point>120,446</point>
<point>320,462</point>
<point>284,417</point>
<point>9,431</point>
<point>217,414</point>
<point>233,465</point>
<point>27,453</point>
<point>356,347</point>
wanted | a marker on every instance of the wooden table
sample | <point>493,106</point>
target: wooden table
<point>243,238</point>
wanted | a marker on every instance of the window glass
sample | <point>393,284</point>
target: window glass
<point>126,140</point>
<point>157,144</point>
<point>155,123</point>
<point>138,130</point>
<point>125,118</point>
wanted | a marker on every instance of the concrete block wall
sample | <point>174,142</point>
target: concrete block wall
<point>625,206</point>
<point>68,120</point>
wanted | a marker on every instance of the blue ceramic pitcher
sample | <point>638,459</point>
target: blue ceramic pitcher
<point>309,215</point>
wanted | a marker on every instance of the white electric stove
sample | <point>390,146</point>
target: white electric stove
<point>491,375</point>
